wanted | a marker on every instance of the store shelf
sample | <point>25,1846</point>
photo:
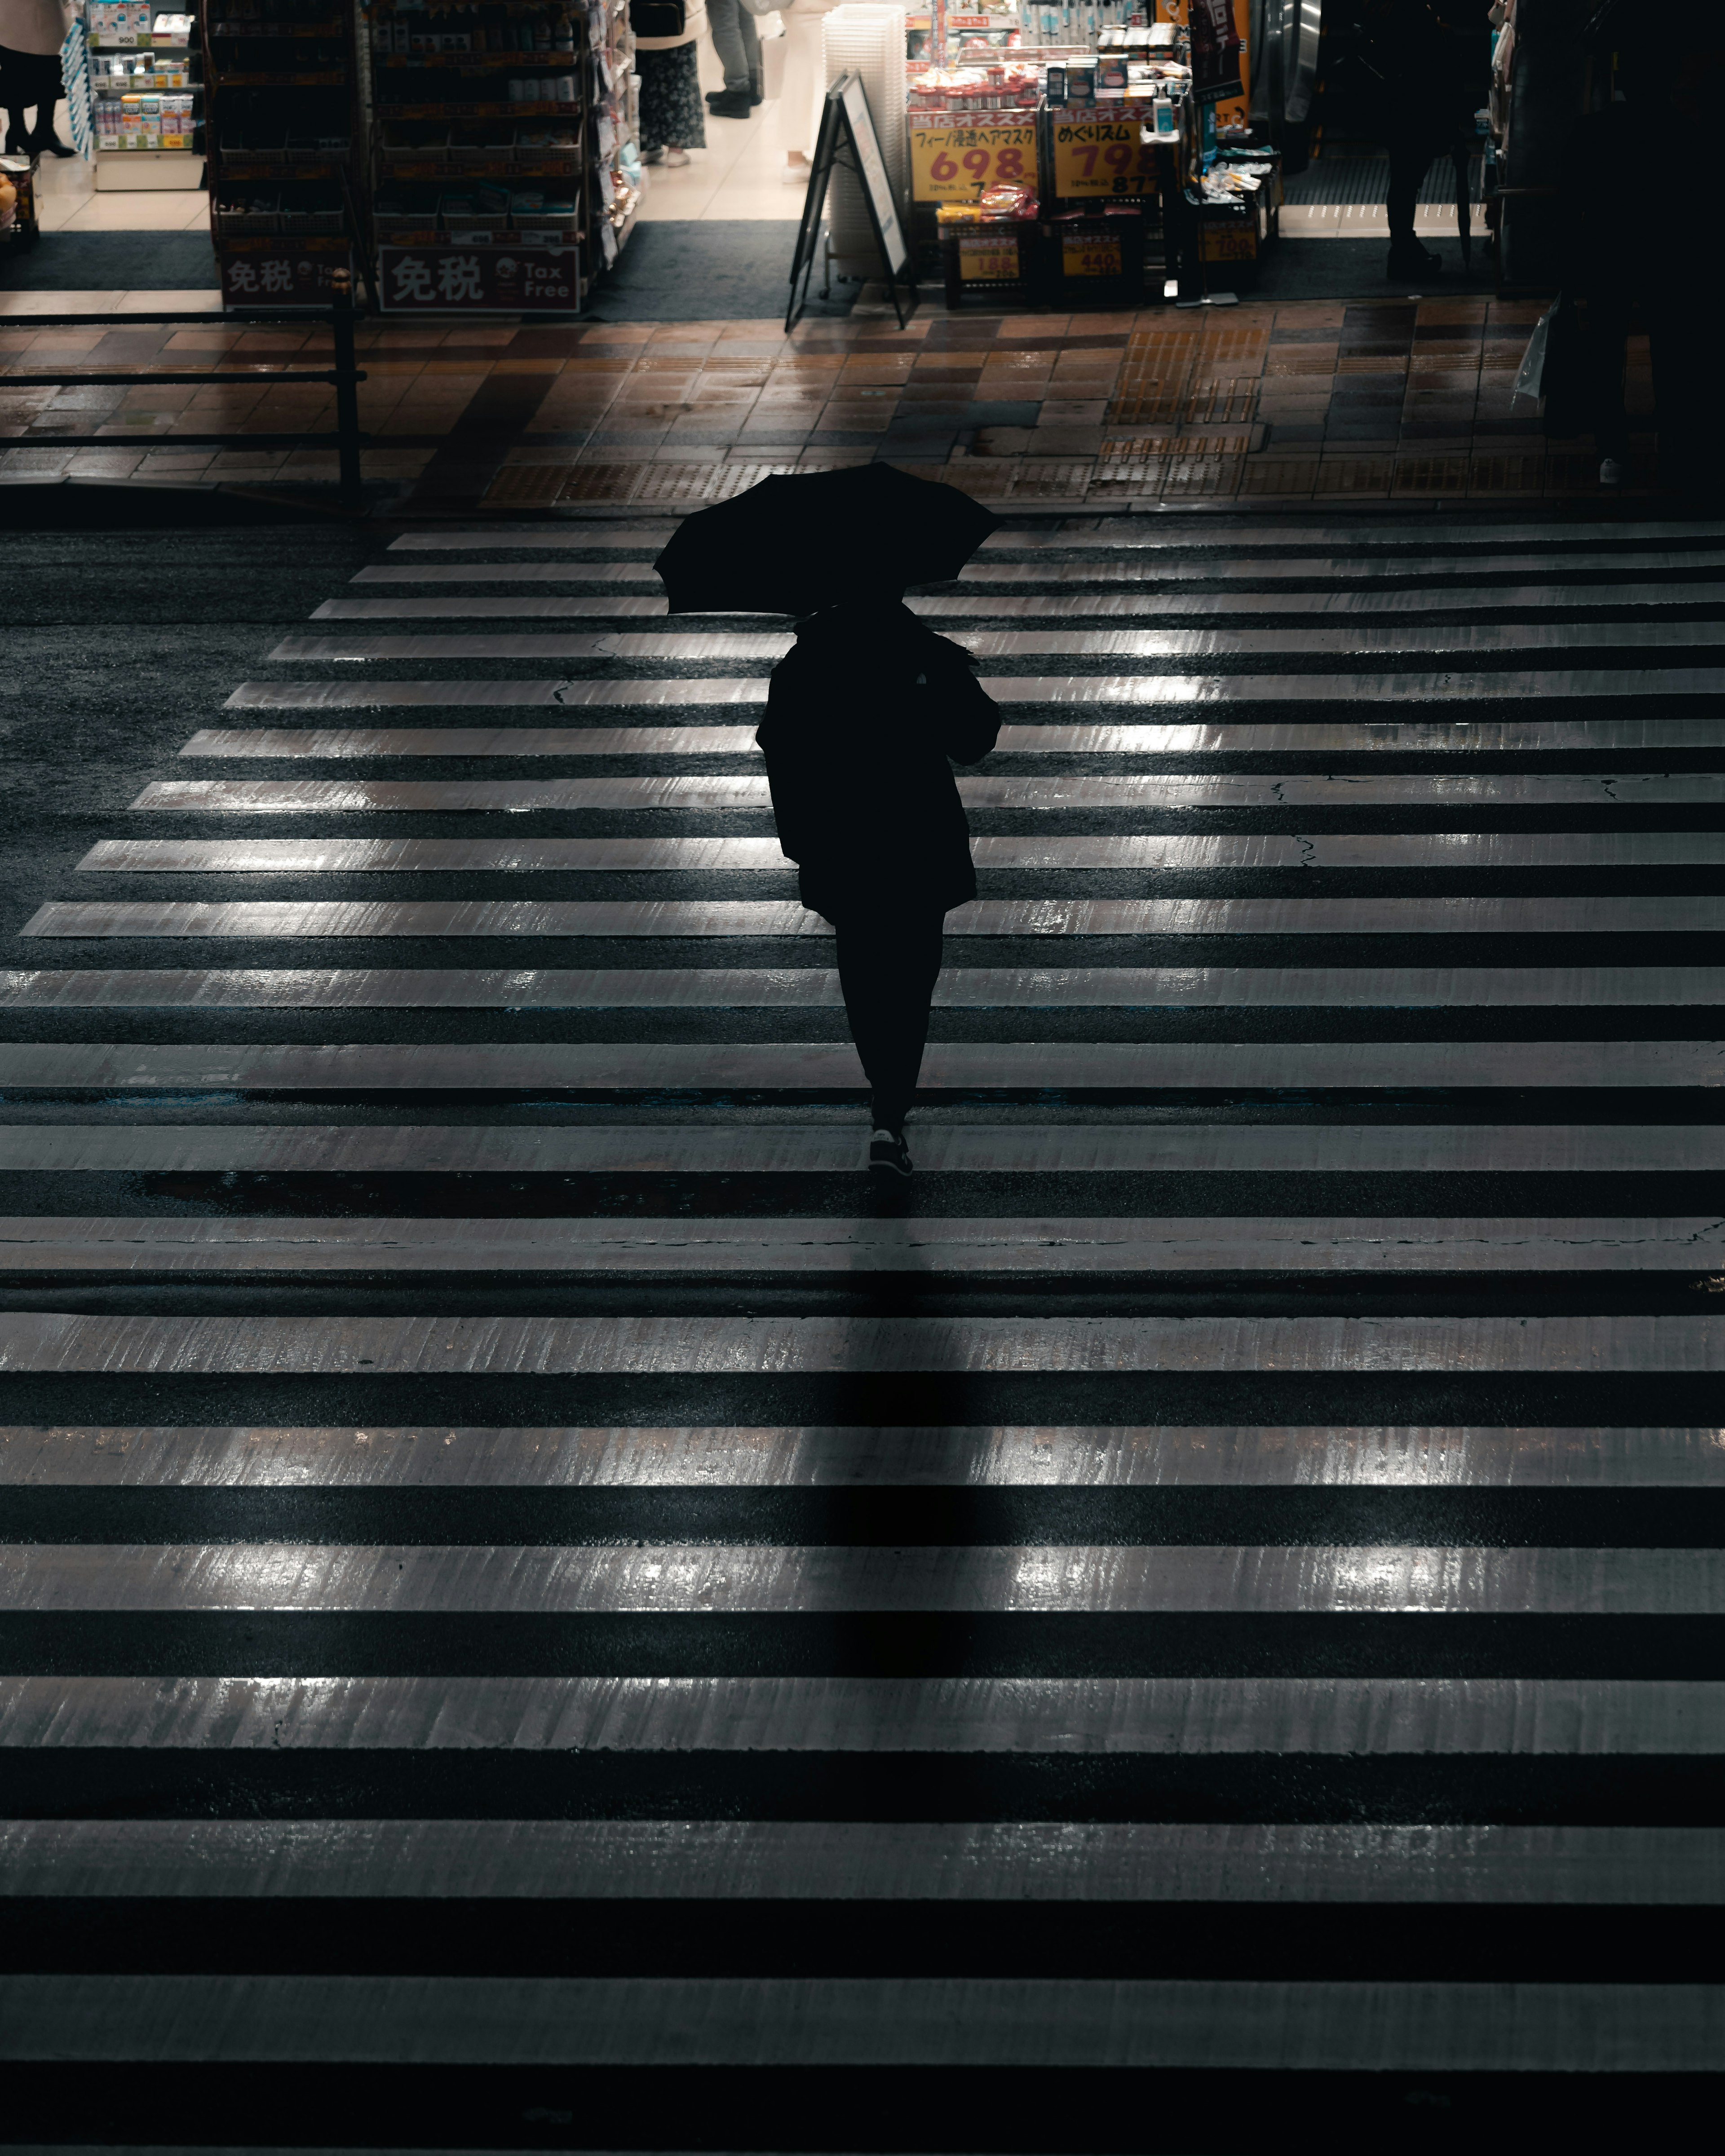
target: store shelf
<point>145,101</point>
<point>482,204</point>
<point>283,122</point>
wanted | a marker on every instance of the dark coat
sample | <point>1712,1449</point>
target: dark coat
<point>862,717</point>
<point>1611,246</point>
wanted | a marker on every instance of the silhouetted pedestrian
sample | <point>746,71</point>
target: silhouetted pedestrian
<point>31,35</point>
<point>1432,57</point>
<point>864,718</point>
<point>1609,274</point>
<point>1660,74</point>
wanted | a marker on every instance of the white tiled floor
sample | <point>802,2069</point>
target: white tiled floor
<point>165,212</point>
<point>66,200</point>
<point>737,175</point>
<point>108,302</point>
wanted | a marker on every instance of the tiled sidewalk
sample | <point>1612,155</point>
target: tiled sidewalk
<point>1313,399</point>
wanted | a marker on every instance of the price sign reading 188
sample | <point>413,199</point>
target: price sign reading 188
<point>1102,157</point>
<point>954,164</point>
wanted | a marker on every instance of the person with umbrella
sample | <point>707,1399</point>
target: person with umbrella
<point>866,716</point>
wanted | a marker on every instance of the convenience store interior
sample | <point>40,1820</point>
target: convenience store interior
<point>736,176</point>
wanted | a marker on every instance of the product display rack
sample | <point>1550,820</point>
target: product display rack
<point>484,126</point>
<point>614,171</point>
<point>279,77</point>
<point>147,116</point>
<point>74,77</point>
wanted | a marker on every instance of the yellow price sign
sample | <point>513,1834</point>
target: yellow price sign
<point>987,258</point>
<point>1089,257</point>
<point>1102,157</point>
<point>1229,242</point>
<point>954,164</point>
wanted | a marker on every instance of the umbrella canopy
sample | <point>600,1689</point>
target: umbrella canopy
<point>812,539</point>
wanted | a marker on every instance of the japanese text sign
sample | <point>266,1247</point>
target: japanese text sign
<point>954,164</point>
<point>506,281</point>
<point>1102,157</point>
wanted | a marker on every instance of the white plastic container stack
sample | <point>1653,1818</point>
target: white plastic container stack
<point>868,41</point>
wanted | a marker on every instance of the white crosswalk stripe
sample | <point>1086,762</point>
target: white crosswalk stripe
<point>1220,1576</point>
<point>1453,685</point>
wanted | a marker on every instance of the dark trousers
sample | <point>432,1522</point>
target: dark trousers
<point>1409,162</point>
<point>888,965</point>
<point>737,42</point>
<point>1686,330</point>
<point>1604,347</point>
<point>27,78</point>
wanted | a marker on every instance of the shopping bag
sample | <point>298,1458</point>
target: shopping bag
<point>1563,379</point>
<point>1532,373</point>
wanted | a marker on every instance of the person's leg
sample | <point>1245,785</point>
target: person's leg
<point>652,122</point>
<point>1685,328</point>
<point>1409,161</point>
<point>752,53</point>
<point>794,122</point>
<point>737,43</point>
<point>1604,350</point>
<point>888,965</point>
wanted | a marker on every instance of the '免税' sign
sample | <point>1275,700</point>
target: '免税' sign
<point>485,280</point>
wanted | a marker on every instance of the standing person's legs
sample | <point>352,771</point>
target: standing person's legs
<point>27,80</point>
<point>1409,161</point>
<point>1685,330</point>
<point>888,965</point>
<point>1604,348</point>
<point>672,118</point>
<point>795,123</point>
<point>737,43</point>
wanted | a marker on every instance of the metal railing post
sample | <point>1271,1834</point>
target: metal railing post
<point>346,389</point>
<point>344,377</point>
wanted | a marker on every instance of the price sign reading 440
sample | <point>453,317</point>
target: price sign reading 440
<point>1102,157</point>
<point>954,164</point>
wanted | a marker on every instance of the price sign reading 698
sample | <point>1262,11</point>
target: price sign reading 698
<point>1102,157</point>
<point>955,164</point>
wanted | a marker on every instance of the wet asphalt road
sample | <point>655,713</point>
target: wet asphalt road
<point>1410,1561</point>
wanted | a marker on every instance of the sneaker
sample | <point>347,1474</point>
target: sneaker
<point>1610,472</point>
<point>652,157</point>
<point>889,1158</point>
<point>1413,262</point>
<point>676,156</point>
<point>794,172</point>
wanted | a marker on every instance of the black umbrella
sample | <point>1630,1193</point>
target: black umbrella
<point>811,539</point>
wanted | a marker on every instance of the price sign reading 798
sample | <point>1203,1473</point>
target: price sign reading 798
<point>954,164</point>
<point>1102,157</point>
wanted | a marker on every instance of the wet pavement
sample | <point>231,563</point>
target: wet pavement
<point>1407,399</point>
<point>534,1601</point>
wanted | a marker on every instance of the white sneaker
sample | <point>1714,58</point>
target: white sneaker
<point>652,157</point>
<point>794,172</point>
<point>1610,472</point>
<point>676,156</point>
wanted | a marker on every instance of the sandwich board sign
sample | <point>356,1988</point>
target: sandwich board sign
<point>848,143</point>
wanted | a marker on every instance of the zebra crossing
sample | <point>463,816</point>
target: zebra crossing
<point>532,1598</point>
